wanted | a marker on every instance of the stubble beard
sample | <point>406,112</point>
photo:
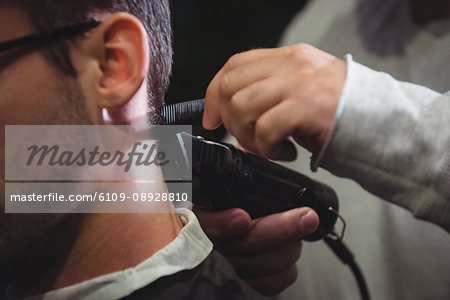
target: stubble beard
<point>29,243</point>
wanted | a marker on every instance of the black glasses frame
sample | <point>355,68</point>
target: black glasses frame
<point>49,37</point>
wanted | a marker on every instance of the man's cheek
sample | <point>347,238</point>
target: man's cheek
<point>28,91</point>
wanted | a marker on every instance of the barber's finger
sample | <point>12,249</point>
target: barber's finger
<point>258,97</point>
<point>224,223</point>
<point>271,231</point>
<point>274,284</point>
<point>268,262</point>
<point>246,74</point>
<point>274,127</point>
<point>211,116</point>
<point>248,104</point>
<point>249,56</point>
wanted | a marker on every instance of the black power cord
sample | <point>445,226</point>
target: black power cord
<point>346,256</point>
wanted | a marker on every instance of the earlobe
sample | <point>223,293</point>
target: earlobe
<point>123,60</point>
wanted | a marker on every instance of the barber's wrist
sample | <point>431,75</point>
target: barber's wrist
<point>323,146</point>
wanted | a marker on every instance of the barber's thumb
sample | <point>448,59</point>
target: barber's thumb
<point>223,223</point>
<point>309,221</point>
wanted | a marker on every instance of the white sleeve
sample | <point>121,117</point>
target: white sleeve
<point>393,138</point>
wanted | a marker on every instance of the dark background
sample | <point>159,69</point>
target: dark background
<point>207,32</point>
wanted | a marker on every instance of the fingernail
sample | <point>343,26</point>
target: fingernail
<point>238,223</point>
<point>205,120</point>
<point>309,221</point>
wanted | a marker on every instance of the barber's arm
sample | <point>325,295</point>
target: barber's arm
<point>391,137</point>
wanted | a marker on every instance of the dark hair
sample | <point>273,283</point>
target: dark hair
<point>46,15</point>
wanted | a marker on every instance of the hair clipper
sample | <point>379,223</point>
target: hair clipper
<point>226,177</point>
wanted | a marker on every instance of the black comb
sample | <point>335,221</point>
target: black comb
<point>183,113</point>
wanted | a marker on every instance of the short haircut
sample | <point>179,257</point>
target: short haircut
<point>46,15</point>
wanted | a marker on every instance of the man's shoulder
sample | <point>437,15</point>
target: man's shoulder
<point>213,279</point>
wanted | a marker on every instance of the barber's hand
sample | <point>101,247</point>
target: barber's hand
<point>264,96</point>
<point>262,251</point>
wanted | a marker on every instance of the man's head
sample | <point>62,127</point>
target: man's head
<point>114,73</point>
<point>44,16</point>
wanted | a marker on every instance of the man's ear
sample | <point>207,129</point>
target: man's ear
<point>118,60</point>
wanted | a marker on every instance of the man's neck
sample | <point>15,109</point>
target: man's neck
<point>107,243</point>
